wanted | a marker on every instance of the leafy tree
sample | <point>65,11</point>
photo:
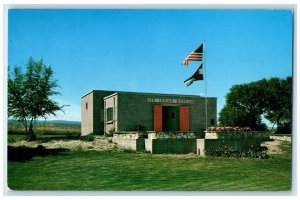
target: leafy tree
<point>29,94</point>
<point>278,107</point>
<point>247,103</point>
<point>243,107</point>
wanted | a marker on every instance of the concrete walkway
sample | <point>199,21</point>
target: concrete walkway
<point>284,138</point>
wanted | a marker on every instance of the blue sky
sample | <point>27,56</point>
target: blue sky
<point>142,50</point>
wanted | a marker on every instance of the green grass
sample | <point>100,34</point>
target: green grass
<point>44,133</point>
<point>46,130</point>
<point>14,138</point>
<point>125,171</point>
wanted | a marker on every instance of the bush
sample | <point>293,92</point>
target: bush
<point>71,135</point>
<point>110,132</point>
<point>11,140</point>
<point>129,151</point>
<point>284,129</point>
<point>258,152</point>
<point>90,137</point>
<point>139,127</point>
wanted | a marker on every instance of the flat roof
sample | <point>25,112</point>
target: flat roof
<point>141,93</point>
<point>96,91</point>
<point>156,94</point>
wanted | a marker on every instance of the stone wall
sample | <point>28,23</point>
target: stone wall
<point>235,140</point>
<point>87,118</point>
<point>134,108</point>
<point>98,114</point>
<point>92,112</point>
<point>234,144</point>
<point>236,135</point>
<point>131,135</point>
<point>171,135</point>
<point>137,108</point>
<point>183,146</point>
<point>157,142</point>
<point>132,144</point>
<point>111,102</point>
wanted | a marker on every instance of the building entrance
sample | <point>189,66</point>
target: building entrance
<point>170,118</point>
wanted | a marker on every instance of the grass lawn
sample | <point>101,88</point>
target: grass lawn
<point>127,171</point>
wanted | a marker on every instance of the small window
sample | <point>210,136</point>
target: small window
<point>86,105</point>
<point>109,114</point>
<point>212,122</point>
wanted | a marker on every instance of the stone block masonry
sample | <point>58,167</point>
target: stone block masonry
<point>182,146</point>
<point>201,147</point>
<point>92,112</point>
<point>108,111</point>
<point>132,144</point>
<point>183,143</point>
<point>166,135</point>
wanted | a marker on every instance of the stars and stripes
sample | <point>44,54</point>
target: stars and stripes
<point>196,55</point>
<point>198,75</point>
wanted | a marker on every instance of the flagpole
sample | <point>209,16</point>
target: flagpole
<point>204,62</point>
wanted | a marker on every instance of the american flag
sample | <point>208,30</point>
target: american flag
<point>196,55</point>
<point>198,75</point>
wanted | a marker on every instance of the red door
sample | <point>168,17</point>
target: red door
<point>157,118</point>
<point>184,112</point>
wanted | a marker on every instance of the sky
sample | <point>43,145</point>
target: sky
<point>142,50</point>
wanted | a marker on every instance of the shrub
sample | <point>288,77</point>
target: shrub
<point>110,140</point>
<point>71,135</point>
<point>110,132</point>
<point>90,137</point>
<point>258,152</point>
<point>139,127</point>
<point>11,140</point>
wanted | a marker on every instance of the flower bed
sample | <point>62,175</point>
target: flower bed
<point>237,135</point>
<point>228,128</point>
<point>257,152</point>
<point>234,142</point>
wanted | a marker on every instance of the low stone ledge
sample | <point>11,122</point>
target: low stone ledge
<point>133,144</point>
<point>172,135</point>
<point>131,135</point>
<point>236,135</point>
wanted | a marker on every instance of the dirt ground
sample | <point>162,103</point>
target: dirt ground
<point>273,147</point>
<point>103,144</point>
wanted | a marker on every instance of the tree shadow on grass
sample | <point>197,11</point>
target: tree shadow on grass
<point>23,153</point>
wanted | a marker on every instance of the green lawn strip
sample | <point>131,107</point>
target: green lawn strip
<point>15,138</point>
<point>120,171</point>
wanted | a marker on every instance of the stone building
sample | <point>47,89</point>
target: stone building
<point>103,111</point>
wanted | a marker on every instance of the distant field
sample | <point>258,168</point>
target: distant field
<point>127,171</point>
<point>45,131</point>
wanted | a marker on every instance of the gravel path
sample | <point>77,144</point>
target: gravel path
<point>99,144</point>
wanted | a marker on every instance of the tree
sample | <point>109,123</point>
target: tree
<point>278,107</point>
<point>29,94</point>
<point>247,103</point>
<point>243,107</point>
